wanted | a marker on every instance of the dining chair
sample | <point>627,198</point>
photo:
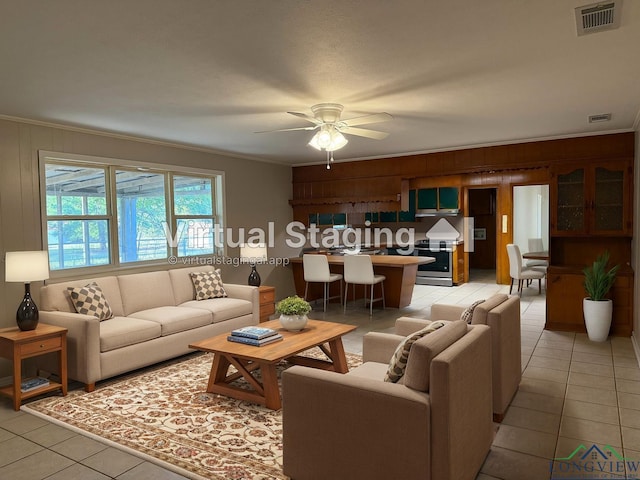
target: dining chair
<point>316,270</point>
<point>535,245</point>
<point>358,270</point>
<point>519,273</point>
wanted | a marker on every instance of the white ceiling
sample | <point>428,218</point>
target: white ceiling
<point>210,73</point>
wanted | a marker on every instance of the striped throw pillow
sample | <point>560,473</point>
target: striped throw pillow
<point>398,363</point>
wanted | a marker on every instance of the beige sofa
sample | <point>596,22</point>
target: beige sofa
<point>155,319</point>
<point>433,424</point>
<point>502,313</point>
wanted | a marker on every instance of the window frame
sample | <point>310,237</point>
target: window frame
<point>110,165</point>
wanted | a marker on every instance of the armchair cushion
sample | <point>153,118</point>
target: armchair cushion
<point>425,349</point>
<point>398,363</point>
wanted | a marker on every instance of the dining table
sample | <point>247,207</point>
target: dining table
<point>536,256</point>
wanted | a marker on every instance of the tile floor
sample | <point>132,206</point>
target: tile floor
<point>573,392</point>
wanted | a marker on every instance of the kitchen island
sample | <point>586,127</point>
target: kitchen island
<point>400,273</point>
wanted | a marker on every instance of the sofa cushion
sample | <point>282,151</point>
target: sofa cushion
<point>222,308</point>
<point>175,319</point>
<point>467,313</point>
<point>398,362</point>
<point>426,349</point>
<point>207,285</point>
<point>183,289</point>
<point>55,297</point>
<point>120,332</point>
<point>90,300</point>
<point>142,291</point>
<point>481,311</point>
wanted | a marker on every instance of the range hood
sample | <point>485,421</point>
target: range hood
<point>439,212</point>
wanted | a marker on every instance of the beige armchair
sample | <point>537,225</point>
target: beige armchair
<point>502,313</point>
<point>433,424</point>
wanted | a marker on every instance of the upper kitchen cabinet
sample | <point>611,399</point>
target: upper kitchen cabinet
<point>593,199</point>
<point>438,200</point>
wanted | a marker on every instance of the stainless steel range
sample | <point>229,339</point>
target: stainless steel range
<point>439,272</point>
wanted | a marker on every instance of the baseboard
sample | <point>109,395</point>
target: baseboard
<point>636,347</point>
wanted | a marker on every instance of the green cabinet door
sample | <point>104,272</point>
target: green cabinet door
<point>427,198</point>
<point>448,198</point>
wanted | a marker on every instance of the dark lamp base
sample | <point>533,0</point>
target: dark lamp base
<point>254,277</point>
<point>27,314</point>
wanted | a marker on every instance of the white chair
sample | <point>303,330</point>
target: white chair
<point>316,270</point>
<point>535,245</point>
<point>521,274</point>
<point>358,270</point>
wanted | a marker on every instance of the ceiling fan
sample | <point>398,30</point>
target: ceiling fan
<point>331,130</point>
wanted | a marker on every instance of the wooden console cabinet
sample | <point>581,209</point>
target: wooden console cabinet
<point>565,292</point>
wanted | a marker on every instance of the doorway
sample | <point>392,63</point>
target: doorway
<point>530,215</point>
<point>482,208</point>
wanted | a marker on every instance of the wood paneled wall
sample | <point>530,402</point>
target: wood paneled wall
<point>375,185</point>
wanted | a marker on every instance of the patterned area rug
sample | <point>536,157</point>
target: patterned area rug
<point>166,415</point>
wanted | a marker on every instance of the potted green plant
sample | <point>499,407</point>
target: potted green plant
<point>293,312</point>
<point>597,309</point>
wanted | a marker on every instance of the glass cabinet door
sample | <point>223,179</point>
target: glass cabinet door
<point>571,201</point>
<point>608,200</point>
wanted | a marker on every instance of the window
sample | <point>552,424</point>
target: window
<point>100,214</point>
<point>77,227</point>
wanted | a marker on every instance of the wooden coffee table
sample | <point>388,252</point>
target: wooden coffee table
<point>248,358</point>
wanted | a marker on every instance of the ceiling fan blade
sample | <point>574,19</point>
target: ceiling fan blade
<point>288,129</point>
<point>374,118</point>
<point>306,117</point>
<point>364,132</point>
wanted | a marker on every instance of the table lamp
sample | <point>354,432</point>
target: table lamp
<point>27,267</point>
<point>253,253</point>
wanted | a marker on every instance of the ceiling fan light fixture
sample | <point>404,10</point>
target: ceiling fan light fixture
<point>328,139</point>
<point>338,140</point>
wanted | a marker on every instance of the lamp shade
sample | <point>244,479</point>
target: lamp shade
<point>26,267</point>
<point>253,252</point>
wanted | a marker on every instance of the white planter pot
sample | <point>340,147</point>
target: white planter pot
<point>293,323</point>
<point>597,318</point>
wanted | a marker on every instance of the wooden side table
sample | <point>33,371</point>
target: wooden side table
<point>267,302</point>
<point>16,345</point>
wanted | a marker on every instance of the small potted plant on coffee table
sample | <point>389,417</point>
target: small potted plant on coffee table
<point>293,313</point>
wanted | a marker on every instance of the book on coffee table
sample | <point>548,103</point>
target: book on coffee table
<point>257,333</point>
<point>254,341</point>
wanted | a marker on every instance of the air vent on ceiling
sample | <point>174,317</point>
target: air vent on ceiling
<point>598,16</point>
<point>602,117</point>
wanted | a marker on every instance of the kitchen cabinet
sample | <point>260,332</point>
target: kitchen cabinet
<point>440,198</point>
<point>448,198</point>
<point>328,219</point>
<point>409,215</point>
<point>565,292</point>
<point>427,198</point>
<point>594,199</point>
<point>387,217</point>
<point>458,263</point>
